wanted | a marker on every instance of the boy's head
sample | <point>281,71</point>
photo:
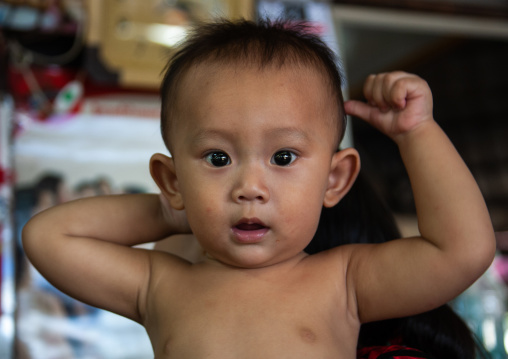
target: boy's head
<point>249,45</point>
<point>253,117</point>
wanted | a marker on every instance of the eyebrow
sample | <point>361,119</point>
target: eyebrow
<point>209,133</point>
<point>277,132</point>
<point>292,132</point>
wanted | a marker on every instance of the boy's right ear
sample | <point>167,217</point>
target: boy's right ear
<point>162,169</point>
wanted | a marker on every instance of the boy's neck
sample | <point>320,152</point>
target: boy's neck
<point>289,263</point>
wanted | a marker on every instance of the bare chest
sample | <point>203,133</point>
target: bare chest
<point>252,317</point>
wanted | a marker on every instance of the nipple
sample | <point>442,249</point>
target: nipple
<point>307,335</point>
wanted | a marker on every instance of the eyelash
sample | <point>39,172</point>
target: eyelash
<point>214,156</point>
<point>293,157</point>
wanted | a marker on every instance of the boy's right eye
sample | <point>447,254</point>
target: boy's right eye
<point>218,159</point>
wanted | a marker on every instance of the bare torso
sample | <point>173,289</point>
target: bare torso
<point>291,311</point>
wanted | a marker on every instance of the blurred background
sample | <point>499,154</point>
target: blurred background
<point>79,116</point>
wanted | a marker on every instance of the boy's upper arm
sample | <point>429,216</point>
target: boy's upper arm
<point>103,274</point>
<point>401,277</point>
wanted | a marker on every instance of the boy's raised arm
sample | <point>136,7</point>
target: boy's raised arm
<point>457,244</point>
<point>83,247</point>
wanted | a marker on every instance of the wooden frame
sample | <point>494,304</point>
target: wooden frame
<point>119,52</point>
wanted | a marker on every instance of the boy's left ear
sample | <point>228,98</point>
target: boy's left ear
<point>343,172</point>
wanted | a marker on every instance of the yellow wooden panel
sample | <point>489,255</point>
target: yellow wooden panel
<point>121,30</point>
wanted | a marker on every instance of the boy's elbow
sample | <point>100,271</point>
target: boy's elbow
<point>32,237</point>
<point>482,256</point>
<point>28,237</point>
<point>489,251</point>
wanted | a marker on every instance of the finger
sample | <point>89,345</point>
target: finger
<point>358,109</point>
<point>367,89</point>
<point>394,89</point>
<point>377,92</point>
<point>398,93</point>
<point>412,88</point>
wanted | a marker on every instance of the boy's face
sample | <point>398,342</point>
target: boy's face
<point>253,150</point>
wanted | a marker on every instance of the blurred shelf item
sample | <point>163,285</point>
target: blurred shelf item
<point>420,21</point>
<point>44,33</point>
<point>7,255</point>
<point>477,8</point>
<point>129,41</point>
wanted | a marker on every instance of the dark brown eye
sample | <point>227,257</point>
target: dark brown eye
<point>218,159</point>
<point>283,158</point>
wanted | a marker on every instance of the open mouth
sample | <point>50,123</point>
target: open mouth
<point>249,226</point>
<point>250,230</point>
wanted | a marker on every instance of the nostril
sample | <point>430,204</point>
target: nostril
<point>248,198</point>
<point>249,190</point>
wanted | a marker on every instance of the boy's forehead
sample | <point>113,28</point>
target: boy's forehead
<point>215,81</point>
<point>212,83</point>
<point>211,73</point>
<point>252,65</point>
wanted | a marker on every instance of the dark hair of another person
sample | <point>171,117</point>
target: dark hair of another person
<point>49,182</point>
<point>362,217</point>
<point>260,45</point>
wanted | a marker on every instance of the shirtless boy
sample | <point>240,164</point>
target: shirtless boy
<point>253,116</point>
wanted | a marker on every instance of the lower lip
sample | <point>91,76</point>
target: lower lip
<point>254,236</point>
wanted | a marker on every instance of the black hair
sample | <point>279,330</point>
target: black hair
<point>261,44</point>
<point>360,217</point>
<point>48,182</point>
<point>363,217</point>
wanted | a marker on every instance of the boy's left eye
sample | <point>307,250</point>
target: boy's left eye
<point>283,158</point>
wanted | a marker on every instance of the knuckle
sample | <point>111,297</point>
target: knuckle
<point>392,77</point>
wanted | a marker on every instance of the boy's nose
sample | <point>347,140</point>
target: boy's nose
<point>250,186</point>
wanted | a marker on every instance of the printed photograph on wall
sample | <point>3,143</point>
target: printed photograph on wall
<point>102,148</point>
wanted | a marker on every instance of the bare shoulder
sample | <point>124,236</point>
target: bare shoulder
<point>335,262</point>
<point>339,256</point>
<point>165,270</point>
<point>166,266</point>
<point>334,268</point>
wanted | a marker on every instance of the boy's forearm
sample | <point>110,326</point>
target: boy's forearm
<point>451,210</point>
<point>122,219</point>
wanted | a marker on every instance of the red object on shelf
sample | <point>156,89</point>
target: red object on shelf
<point>6,176</point>
<point>1,266</point>
<point>50,79</point>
